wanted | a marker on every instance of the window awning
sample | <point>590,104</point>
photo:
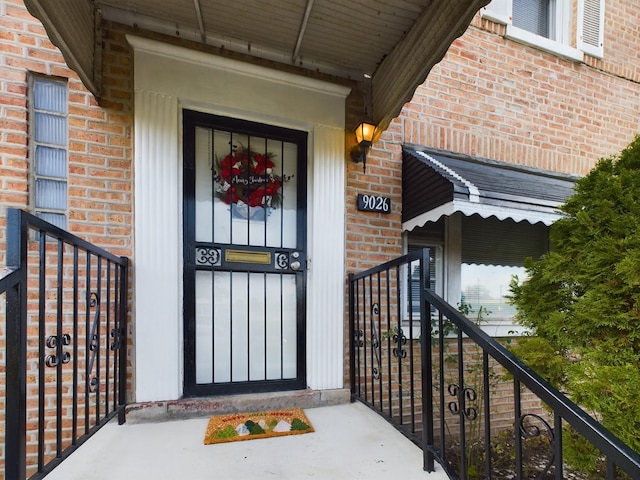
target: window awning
<point>436,183</point>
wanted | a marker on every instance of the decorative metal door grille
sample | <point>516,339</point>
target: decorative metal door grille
<point>244,230</point>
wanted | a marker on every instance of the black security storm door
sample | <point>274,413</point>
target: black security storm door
<point>244,256</point>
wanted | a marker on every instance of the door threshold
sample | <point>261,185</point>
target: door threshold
<point>221,404</point>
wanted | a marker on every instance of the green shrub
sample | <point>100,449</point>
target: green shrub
<point>581,301</point>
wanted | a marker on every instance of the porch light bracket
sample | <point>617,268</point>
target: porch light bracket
<point>364,137</point>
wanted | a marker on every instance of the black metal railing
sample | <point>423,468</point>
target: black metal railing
<point>65,343</point>
<point>460,394</point>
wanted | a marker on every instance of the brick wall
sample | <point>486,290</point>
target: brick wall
<point>494,98</point>
<point>100,143</point>
<point>100,174</point>
<point>498,99</point>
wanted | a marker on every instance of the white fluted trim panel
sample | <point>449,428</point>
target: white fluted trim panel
<point>325,293</point>
<point>157,269</point>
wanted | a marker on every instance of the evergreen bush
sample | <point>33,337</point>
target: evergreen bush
<point>581,301</point>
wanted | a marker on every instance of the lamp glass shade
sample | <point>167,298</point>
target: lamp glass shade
<point>364,132</point>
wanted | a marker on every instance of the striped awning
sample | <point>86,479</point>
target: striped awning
<point>437,184</point>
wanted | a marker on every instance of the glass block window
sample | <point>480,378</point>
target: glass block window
<point>49,139</point>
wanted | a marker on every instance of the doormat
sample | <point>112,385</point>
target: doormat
<point>248,426</point>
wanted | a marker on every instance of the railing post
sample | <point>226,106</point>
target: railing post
<point>16,351</point>
<point>124,299</point>
<point>426,365</point>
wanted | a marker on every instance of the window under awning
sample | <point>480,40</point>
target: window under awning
<point>436,184</point>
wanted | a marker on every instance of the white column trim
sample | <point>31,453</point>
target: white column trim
<point>157,248</point>
<point>325,290</point>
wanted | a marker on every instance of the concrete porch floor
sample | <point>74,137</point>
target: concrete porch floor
<point>350,441</point>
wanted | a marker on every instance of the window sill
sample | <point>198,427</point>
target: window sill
<point>523,36</point>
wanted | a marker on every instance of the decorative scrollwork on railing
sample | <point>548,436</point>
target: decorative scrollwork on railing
<point>92,342</point>
<point>468,395</point>
<point>208,256</point>
<point>528,429</point>
<point>400,340</point>
<point>55,342</point>
<point>375,341</point>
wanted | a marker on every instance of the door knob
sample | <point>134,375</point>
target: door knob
<point>295,265</point>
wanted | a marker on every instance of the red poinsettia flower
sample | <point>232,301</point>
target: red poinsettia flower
<point>229,172</point>
<point>256,198</point>
<point>262,164</point>
<point>272,187</point>
<point>227,161</point>
<point>230,196</point>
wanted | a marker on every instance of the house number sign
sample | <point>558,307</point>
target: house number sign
<point>374,203</point>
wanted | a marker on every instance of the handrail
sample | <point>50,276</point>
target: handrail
<point>9,277</point>
<point>587,426</point>
<point>48,310</point>
<point>432,375</point>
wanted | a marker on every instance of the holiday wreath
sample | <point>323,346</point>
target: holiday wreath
<point>245,177</point>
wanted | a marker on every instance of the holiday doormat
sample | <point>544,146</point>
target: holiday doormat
<point>247,426</point>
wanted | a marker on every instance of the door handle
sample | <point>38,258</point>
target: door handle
<point>295,265</point>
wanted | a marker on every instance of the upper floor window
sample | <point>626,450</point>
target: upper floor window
<point>566,27</point>
<point>49,141</point>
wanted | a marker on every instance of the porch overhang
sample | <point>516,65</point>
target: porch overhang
<point>437,184</point>
<point>389,46</point>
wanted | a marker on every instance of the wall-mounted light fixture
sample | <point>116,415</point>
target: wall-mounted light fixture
<point>364,136</point>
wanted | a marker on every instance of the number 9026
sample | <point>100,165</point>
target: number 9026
<point>374,203</point>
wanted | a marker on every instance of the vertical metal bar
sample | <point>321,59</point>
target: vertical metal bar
<point>372,333</point>
<point>16,349</point>
<point>87,334</point>
<point>426,366</point>
<point>282,177</point>
<point>265,324</point>
<point>76,273</point>
<point>389,338</point>
<point>379,344</point>
<point>231,302</point>
<point>517,409</point>
<point>487,414</point>
<point>364,338</point>
<point>212,360</point>
<point>248,303</point>
<point>412,394</point>
<point>352,337</point>
<point>399,346</point>
<point>107,350</point>
<point>611,469</point>
<point>123,308</point>
<point>114,333</point>
<point>462,407</point>
<point>214,173</point>
<point>281,326</point>
<point>356,295</point>
<point>442,382</point>
<point>557,446</point>
<point>42,331</point>
<point>98,329</point>
<point>59,348</point>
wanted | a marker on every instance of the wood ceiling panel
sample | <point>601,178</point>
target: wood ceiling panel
<point>270,23</point>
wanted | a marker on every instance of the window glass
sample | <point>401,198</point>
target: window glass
<point>533,16</point>
<point>487,287</point>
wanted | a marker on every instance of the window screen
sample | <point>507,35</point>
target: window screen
<point>533,16</point>
<point>489,241</point>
